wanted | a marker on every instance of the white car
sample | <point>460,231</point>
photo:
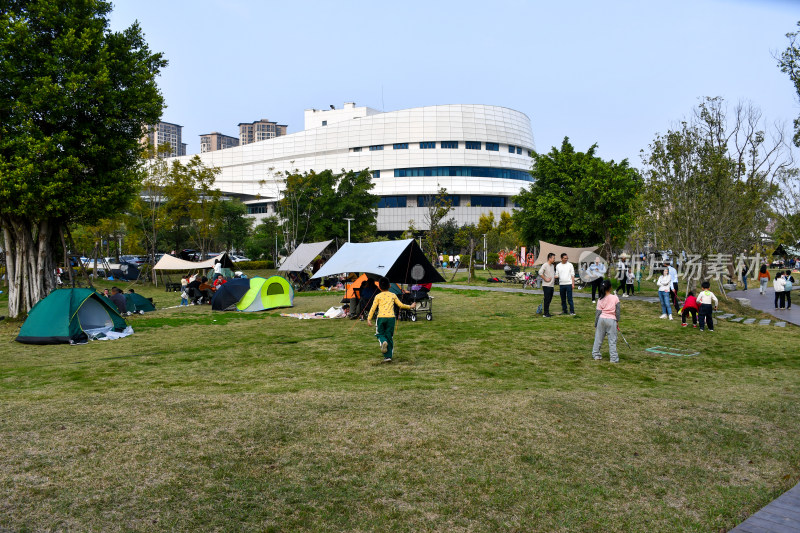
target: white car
<point>238,258</point>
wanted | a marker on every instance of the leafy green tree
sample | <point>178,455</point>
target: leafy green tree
<point>232,224</point>
<point>577,199</point>
<point>468,236</point>
<point>789,63</point>
<point>73,98</point>
<point>265,238</point>
<point>314,205</point>
<point>439,206</point>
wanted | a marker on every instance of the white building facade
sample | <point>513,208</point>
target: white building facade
<point>479,153</point>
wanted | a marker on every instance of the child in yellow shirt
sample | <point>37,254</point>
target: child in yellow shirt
<point>384,304</point>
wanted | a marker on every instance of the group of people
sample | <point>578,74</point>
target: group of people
<point>565,273</point>
<point>783,284</point>
<point>117,297</point>
<point>199,290</point>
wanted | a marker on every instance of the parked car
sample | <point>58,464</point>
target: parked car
<point>238,258</point>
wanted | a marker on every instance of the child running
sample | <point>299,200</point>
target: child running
<point>606,319</point>
<point>384,326</point>
<point>689,306</point>
<point>706,299</point>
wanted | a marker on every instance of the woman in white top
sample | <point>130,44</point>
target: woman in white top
<point>780,285</point>
<point>664,283</point>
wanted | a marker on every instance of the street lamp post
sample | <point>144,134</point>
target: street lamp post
<point>348,228</point>
<point>484,252</point>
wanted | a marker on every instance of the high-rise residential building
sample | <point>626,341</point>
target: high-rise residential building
<point>260,130</point>
<point>210,142</point>
<point>165,133</point>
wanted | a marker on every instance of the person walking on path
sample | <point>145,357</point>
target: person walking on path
<point>548,274</point>
<point>622,274</point>
<point>787,288</point>
<point>706,299</point>
<point>664,283</point>
<point>606,320</point>
<point>744,275</point>
<point>384,304</point>
<point>763,279</point>
<point>596,272</point>
<point>779,284</point>
<point>566,282</point>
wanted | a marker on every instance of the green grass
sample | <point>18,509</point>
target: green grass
<point>490,419</point>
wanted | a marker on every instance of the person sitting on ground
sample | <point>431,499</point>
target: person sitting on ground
<point>689,306</point>
<point>106,293</point>
<point>219,281</point>
<point>193,290</point>
<point>131,291</point>
<point>206,290</point>
<point>119,300</point>
<point>384,304</point>
<point>707,300</point>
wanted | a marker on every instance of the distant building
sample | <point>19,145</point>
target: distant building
<point>261,130</point>
<point>215,140</point>
<point>166,133</point>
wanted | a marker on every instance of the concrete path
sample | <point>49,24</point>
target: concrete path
<point>766,303</point>
<point>780,516</point>
<point>585,293</point>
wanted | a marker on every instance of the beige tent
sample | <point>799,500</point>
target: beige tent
<point>576,255</point>
<point>169,262</point>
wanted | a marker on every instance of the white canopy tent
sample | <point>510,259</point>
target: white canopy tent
<point>399,261</point>
<point>303,255</point>
<point>576,255</point>
<point>170,262</point>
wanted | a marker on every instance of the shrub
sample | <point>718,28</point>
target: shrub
<point>493,258</point>
<point>510,260</point>
<point>255,265</point>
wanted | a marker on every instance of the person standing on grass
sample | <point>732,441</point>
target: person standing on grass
<point>763,279</point>
<point>548,275</point>
<point>606,320</point>
<point>566,282</point>
<point>779,284</point>
<point>706,299</point>
<point>384,304</point>
<point>596,272</point>
<point>664,283</point>
<point>787,288</point>
<point>622,274</point>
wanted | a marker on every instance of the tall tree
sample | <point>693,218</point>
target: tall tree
<point>438,207</point>
<point>232,224</point>
<point>789,63</point>
<point>710,182</point>
<point>73,99</point>
<point>577,199</point>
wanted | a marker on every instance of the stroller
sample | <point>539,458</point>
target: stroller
<point>424,303</point>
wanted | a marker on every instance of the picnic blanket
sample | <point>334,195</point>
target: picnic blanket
<point>333,312</point>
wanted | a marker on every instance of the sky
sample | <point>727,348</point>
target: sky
<point>611,73</point>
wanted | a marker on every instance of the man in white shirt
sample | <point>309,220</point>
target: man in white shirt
<point>547,272</point>
<point>566,282</point>
<point>673,274</point>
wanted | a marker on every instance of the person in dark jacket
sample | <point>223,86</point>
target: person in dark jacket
<point>119,300</point>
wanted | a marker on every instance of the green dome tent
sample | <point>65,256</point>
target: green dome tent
<point>64,316</point>
<point>136,303</point>
<point>267,293</point>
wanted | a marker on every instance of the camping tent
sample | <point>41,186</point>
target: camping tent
<point>302,256</point>
<point>65,316</point>
<point>229,294</point>
<point>259,294</point>
<point>136,303</point>
<point>399,261</point>
<point>576,255</point>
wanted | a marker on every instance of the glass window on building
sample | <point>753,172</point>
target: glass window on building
<point>450,144</point>
<point>391,201</point>
<point>357,149</point>
<point>512,149</point>
<point>375,147</point>
<point>425,201</point>
<point>472,145</point>
<point>376,174</point>
<point>427,145</point>
<point>400,146</point>
<point>324,122</point>
<point>494,147</point>
<point>487,201</point>
<point>519,150</point>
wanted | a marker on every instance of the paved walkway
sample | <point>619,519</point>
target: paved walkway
<point>766,303</point>
<point>780,516</point>
<point>585,293</point>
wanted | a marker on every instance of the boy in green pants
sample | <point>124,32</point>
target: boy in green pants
<point>384,304</point>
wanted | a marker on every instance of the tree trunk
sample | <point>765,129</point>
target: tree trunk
<point>29,248</point>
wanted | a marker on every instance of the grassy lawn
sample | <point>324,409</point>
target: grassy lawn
<point>490,419</point>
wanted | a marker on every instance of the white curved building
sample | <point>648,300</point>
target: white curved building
<point>479,153</point>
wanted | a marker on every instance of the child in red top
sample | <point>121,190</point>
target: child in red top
<point>690,306</point>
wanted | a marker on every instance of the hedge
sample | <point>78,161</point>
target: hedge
<point>255,265</point>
